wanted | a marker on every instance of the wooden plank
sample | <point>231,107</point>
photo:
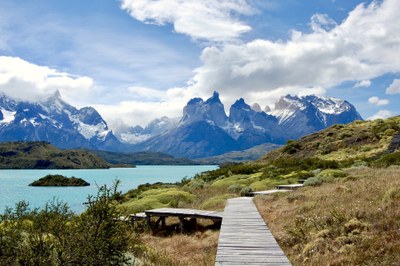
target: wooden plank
<point>245,239</point>
<point>268,192</point>
<point>186,213</point>
<point>291,186</point>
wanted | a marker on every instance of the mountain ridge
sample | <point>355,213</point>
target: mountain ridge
<point>204,130</point>
<point>246,127</point>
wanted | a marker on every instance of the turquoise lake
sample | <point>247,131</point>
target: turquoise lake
<point>14,183</point>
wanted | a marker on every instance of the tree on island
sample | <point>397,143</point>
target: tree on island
<point>59,181</point>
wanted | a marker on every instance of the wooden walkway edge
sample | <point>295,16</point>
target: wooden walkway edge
<point>245,239</point>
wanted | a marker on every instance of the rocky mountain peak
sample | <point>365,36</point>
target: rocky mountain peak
<point>289,102</point>
<point>211,111</point>
<point>256,107</point>
<point>214,99</point>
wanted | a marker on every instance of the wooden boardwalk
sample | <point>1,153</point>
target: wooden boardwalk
<point>291,186</point>
<point>245,239</point>
<point>268,192</point>
<point>182,214</point>
<point>185,213</point>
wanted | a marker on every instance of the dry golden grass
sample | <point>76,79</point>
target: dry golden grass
<point>355,221</point>
<point>181,250</point>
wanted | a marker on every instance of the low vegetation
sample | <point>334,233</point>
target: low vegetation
<point>56,236</point>
<point>346,214</point>
<point>352,220</point>
<point>43,155</point>
<point>59,181</point>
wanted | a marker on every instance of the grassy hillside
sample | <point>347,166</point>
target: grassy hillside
<point>43,155</point>
<point>251,154</point>
<point>349,221</point>
<point>348,204</point>
<point>360,140</point>
<point>346,214</point>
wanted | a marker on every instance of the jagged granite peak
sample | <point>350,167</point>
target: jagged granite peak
<point>194,140</point>
<point>239,111</point>
<point>212,111</point>
<point>252,128</point>
<point>267,109</point>
<point>289,102</point>
<point>214,99</point>
<point>246,125</point>
<point>256,107</point>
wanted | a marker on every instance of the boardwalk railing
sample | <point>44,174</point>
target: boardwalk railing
<point>245,239</point>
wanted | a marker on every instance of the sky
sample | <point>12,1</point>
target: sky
<point>137,60</point>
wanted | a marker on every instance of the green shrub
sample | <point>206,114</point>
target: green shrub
<point>332,173</point>
<point>233,180</point>
<point>263,184</point>
<point>56,236</point>
<point>195,184</point>
<point>245,191</point>
<point>327,175</point>
<point>216,202</point>
<point>296,164</point>
<point>157,198</point>
<point>291,147</point>
<point>313,181</point>
<point>387,159</point>
<point>235,188</point>
<point>230,169</point>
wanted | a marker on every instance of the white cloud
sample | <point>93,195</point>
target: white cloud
<point>23,80</point>
<point>364,46</point>
<point>145,93</point>
<point>382,114</point>
<point>322,23</point>
<point>140,112</point>
<point>394,88</point>
<point>363,84</point>
<point>206,19</point>
<point>378,102</point>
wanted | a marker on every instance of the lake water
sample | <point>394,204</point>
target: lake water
<point>14,183</point>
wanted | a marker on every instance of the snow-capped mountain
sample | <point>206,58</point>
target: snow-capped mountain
<point>250,126</point>
<point>137,134</point>
<point>203,130</point>
<point>299,116</point>
<point>206,130</point>
<point>55,121</point>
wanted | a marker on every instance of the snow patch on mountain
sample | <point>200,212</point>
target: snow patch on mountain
<point>8,116</point>
<point>133,138</point>
<point>90,131</point>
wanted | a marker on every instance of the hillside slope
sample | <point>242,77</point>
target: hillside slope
<point>359,140</point>
<point>43,155</point>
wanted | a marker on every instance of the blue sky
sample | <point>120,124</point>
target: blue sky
<point>136,60</point>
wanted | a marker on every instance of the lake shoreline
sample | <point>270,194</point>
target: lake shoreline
<point>14,183</point>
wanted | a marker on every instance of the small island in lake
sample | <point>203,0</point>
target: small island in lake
<point>59,181</point>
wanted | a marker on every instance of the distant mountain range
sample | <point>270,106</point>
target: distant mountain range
<point>204,130</point>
